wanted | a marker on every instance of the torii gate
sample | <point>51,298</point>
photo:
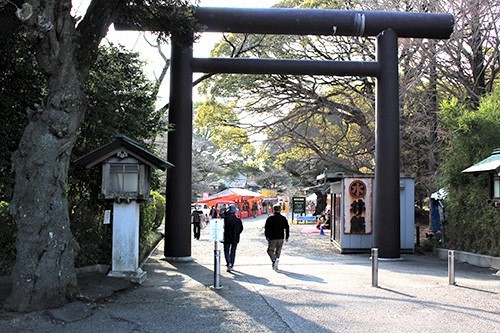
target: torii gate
<point>386,26</point>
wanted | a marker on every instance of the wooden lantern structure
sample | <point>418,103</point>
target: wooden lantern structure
<point>126,182</point>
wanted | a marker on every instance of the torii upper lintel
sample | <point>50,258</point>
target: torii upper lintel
<point>294,21</point>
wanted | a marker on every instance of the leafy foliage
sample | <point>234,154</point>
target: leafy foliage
<point>169,18</point>
<point>120,102</point>
<point>221,149</point>
<point>152,214</point>
<point>21,87</point>
<point>473,225</point>
<point>7,239</point>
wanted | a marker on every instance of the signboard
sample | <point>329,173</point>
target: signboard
<point>358,206</point>
<point>216,230</point>
<point>107,216</point>
<point>299,205</point>
<point>269,193</point>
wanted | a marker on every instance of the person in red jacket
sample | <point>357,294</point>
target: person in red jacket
<point>277,232</point>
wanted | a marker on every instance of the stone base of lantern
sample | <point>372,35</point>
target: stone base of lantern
<point>139,276</point>
<point>125,255</point>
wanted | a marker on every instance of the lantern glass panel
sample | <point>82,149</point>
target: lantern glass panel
<point>124,177</point>
<point>496,187</point>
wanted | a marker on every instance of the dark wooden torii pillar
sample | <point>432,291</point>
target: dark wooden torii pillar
<point>386,26</point>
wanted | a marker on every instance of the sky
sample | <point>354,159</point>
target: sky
<point>134,41</point>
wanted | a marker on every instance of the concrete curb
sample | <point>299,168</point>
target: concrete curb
<point>474,259</point>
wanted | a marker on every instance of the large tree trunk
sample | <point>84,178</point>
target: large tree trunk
<point>44,274</point>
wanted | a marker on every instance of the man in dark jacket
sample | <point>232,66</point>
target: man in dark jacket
<point>196,218</point>
<point>277,231</point>
<point>232,230</point>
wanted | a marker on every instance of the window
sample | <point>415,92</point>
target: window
<point>124,178</point>
<point>496,187</point>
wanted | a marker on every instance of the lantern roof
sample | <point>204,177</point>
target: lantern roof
<point>119,144</point>
<point>488,165</point>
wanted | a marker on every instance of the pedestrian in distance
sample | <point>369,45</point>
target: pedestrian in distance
<point>232,230</point>
<point>213,212</point>
<point>197,217</point>
<point>255,210</point>
<point>277,232</point>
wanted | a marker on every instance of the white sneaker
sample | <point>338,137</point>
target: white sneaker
<point>276,264</point>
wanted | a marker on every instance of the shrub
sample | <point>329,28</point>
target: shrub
<point>152,214</point>
<point>472,225</point>
<point>93,237</point>
<point>8,233</point>
<point>159,201</point>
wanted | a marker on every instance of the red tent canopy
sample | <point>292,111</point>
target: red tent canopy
<point>230,195</point>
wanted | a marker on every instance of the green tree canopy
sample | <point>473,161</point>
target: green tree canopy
<point>121,101</point>
<point>472,225</point>
<point>221,149</point>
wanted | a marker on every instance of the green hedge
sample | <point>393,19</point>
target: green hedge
<point>152,215</point>
<point>473,225</point>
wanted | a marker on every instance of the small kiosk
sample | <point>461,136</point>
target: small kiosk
<point>491,167</point>
<point>126,179</point>
<point>351,200</point>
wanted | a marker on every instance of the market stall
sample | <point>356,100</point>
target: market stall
<point>243,198</point>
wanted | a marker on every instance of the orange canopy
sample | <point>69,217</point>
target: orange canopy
<point>230,195</point>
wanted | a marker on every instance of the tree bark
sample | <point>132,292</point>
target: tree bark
<point>44,274</point>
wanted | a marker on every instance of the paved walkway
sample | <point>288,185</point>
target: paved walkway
<point>316,290</point>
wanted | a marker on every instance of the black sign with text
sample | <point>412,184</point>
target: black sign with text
<point>299,205</point>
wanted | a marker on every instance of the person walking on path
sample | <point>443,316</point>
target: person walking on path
<point>255,210</point>
<point>232,230</point>
<point>196,218</point>
<point>277,232</point>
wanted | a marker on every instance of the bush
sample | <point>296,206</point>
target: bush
<point>160,203</point>
<point>429,245</point>
<point>152,214</point>
<point>472,224</point>
<point>93,237</point>
<point>8,233</point>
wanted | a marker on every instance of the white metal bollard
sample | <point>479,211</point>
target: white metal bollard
<point>451,267</point>
<point>374,267</point>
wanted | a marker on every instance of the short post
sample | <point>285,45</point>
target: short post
<point>217,266</point>
<point>217,235</point>
<point>374,267</point>
<point>451,267</point>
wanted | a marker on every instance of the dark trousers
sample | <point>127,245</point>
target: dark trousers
<point>274,247</point>
<point>230,253</point>
<point>196,230</point>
